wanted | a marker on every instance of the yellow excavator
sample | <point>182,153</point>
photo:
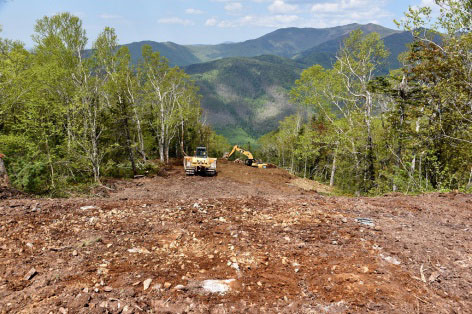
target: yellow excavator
<point>250,161</point>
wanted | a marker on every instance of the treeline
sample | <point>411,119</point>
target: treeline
<point>410,131</point>
<point>69,116</point>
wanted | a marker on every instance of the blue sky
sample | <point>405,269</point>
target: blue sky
<point>198,21</point>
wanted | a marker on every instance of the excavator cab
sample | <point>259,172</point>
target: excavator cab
<point>201,152</point>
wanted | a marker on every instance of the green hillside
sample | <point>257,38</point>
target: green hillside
<point>244,98</point>
<point>283,42</point>
<point>325,54</point>
<point>176,54</point>
<point>244,86</point>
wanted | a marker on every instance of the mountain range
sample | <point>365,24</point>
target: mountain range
<point>245,85</point>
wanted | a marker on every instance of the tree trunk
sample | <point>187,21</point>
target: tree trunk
<point>4,181</point>
<point>413,162</point>
<point>370,146</point>
<point>128,146</point>
<point>140,135</point>
<point>182,139</point>
<point>167,152</point>
<point>333,169</point>
<point>304,171</point>
<point>292,163</point>
<point>161,149</point>
<point>468,184</point>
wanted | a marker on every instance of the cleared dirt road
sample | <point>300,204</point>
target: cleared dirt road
<point>247,240</point>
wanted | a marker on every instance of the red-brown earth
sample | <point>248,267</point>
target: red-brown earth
<point>282,249</point>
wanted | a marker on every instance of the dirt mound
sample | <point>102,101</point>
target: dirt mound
<point>310,185</point>
<point>6,193</point>
<point>244,241</point>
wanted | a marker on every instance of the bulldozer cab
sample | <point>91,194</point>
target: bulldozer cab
<point>201,152</point>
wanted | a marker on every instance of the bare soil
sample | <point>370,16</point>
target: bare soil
<point>288,249</point>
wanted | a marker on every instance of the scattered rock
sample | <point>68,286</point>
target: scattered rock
<point>74,253</point>
<point>366,221</point>
<point>139,250</point>
<point>127,310</point>
<point>104,304</point>
<point>390,259</point>
<point>107,289</point>
<point>88,207</point>
<point>434,276</point>
<point>217,286</point>
<point>63,310</point>
<point>32,272</point>
<point>167,285</point>
<point>147,283</point>
<point>81,300</point>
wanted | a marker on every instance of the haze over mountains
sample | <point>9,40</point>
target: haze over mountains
<point>245,85</point>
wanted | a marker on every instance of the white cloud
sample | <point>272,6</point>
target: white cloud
<point>175,20</point>
<point>279,6</point>
<point>278,20</point>
<point>107,16</point>
<point>341,12</point>
<point>233,6</point>
<point>211,22</point>
<point>343,5</point>
<point>193,11</point>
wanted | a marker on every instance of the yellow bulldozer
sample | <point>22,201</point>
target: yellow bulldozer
<point>250,161</point>
<point>200,163</point>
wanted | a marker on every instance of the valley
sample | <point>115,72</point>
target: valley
<point>245,85</point>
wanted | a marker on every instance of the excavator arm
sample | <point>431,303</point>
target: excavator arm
<point>250,161</point>
<point>242,151</point>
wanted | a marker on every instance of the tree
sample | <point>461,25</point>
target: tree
<point>440,62</point>
<point>119,90</point>
<point>169,99</point>
<point>357,63</point>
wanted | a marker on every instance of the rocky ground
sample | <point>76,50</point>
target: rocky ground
<point>248,240</point>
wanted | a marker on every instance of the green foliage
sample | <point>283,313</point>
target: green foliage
<point>67,120</point>
<point>410,131</point>
<point>237,136</point>
<point>245,93</point>
<point>218,145</point>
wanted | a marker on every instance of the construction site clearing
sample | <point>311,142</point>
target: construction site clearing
<point>249,240</point>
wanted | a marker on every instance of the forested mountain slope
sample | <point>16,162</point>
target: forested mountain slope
<point>285,42</point>
<point>325,53</point>
<point>244,86</point>
<point>249,94</point>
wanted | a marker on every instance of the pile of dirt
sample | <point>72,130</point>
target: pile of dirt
<point>310,185</point>
<point>6,193</point>
<point>244,241</point>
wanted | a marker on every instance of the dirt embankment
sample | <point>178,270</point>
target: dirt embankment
<point>247,240</point>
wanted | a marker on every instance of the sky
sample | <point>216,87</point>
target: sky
<point>198,21</point>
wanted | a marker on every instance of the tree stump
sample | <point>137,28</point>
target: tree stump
<point>4,181</point>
